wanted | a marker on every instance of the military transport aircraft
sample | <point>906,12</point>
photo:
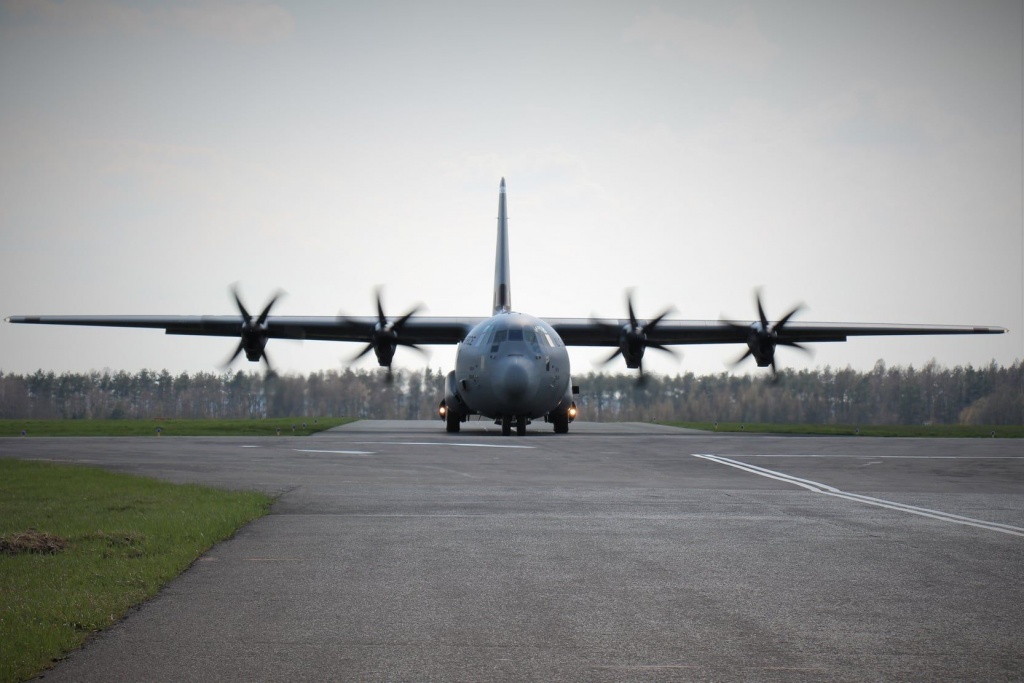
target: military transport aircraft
<point>510,367</point>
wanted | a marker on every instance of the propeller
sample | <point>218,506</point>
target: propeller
<point>385,338</point>
<point>632,336</point>
<point>254,333</point>
<point>763,337</point>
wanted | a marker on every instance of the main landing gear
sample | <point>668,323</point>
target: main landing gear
<point>561,421</point>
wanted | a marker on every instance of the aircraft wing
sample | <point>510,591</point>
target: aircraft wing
<point>420,330</point>
<point>451,330</point>
<point>631,337</point>
<point>607,332</point>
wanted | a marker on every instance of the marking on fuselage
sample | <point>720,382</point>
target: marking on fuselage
<point>827,490</point>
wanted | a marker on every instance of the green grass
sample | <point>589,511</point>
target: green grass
<point>126,537</point>
<point>931,431</point>
<point>265,427</point>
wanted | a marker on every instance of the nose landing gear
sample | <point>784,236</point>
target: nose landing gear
<point>520,422</point>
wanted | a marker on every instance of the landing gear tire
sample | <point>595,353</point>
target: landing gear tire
<point>561,421</point>
<point>521,425</point>
<point>506,425</point>
<point>452,423</point>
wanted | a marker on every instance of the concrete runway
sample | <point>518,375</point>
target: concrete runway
<point>620,552</point>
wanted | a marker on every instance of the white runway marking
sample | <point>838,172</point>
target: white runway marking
<point>442,443</point>
<point>827,490</point>
<point>887,457</point>
<point>311,450</point>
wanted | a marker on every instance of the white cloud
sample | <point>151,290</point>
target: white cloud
<point>738,44</point>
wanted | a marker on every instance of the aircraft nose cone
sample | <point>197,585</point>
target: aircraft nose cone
<point>516,383</point>
<point>515,380</point>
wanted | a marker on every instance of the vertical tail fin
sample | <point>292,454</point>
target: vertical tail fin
<point>502,277</point>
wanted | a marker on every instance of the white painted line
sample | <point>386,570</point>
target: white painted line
<point>311,450</point>
<point>442,443</point>
<point>771,474</point>
<point>817,487</point>
<point>938,514</point>
<point>249,446</point>
<point>887,457</point>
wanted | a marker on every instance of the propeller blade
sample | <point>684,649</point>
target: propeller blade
<point>609,359</point>
<point>231,360</point>
<point>795,345</point>
<point>241,306</point>
<point>667,349</point>
<point>381,318</point>
<point>654,323</point>
<point>767,337</point>
<point>760,309</point>
<point>266,311</point>
<point>405,318</point>
<point>253,333</point>
<point>742,358</point>
<point>266,361</point>
<point>410,345</point>
<point>785,319</point>
<point>629,305</point>
<point>366,350</point>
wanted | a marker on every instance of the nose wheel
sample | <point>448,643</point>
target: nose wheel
<point>520,422</point>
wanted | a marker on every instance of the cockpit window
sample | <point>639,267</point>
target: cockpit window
<point>543,337</point>
<point>481,338</point>
<point>499,336</point>
<point>535,336</point>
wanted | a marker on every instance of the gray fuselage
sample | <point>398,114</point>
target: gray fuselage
<point>513,364</point>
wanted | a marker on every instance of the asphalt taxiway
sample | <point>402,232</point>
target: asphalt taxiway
<point>619,552</point>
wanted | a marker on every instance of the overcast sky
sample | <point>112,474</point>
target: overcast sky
<point>864,159</point>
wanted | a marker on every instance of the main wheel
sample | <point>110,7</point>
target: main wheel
<point>521,425</point>
<point>506,425</point>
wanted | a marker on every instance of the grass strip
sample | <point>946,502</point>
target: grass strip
<point>285,426</point>
<point>80,546</point>
<point>926,431</point>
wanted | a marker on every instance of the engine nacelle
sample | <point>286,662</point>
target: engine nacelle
<point>632,344</point>
<point>762,343</point>
<point>253,341</point>
<point>384,349</point>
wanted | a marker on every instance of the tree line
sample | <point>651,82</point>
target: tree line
<point>990,395</point>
